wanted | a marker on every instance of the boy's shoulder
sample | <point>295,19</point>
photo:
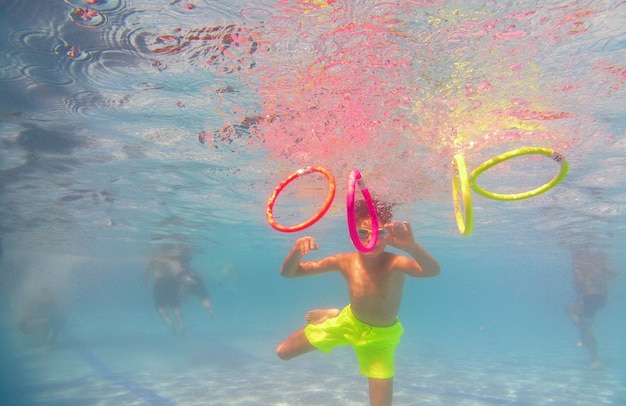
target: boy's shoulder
<point>342,258</point>
<point>343,255</point>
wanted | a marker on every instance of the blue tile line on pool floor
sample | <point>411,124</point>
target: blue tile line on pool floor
<point>481,398</point>
<point>104,372</point>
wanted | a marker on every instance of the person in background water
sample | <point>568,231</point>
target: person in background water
<point>43,317</point>
<point>590,274</point>
<point>191,283</point>
<point>174,280</point>
<point>375,281</point>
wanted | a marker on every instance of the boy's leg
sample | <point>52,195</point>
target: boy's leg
<point>381,391</point>
<point>295,345</point>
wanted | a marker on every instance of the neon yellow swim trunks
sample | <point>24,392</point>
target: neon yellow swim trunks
<point>374,346</point>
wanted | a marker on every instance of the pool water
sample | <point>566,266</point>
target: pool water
<point>130,126</point>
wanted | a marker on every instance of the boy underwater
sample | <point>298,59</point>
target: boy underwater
<point>375,282</point>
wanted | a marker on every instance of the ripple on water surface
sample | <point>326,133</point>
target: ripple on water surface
<point>99,5</point>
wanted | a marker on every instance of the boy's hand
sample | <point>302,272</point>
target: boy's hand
<point>400,234</point>
<point>301,247</point>
<point>304,245</point>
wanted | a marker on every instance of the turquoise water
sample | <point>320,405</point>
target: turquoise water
<point>104,105</point>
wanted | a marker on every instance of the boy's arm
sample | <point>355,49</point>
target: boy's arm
<point>401,235</point>
<point>428,266</point>
<point>294,267</point>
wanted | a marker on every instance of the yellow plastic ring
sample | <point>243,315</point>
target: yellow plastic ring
<point>516,153</point>
<point>461,184</point>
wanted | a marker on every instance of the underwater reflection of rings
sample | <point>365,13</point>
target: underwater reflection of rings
<point>237,136</point>
<point>223,48</point>
<point>87,17</point>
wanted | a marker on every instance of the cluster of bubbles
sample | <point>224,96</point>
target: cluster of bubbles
<point>385,87</point>
<point>381,87</point>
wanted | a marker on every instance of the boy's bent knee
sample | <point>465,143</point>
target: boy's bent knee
<point>296,345</point>
<point>282,352</point>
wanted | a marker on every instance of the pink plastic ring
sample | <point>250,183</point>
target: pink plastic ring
<point>353,180</point>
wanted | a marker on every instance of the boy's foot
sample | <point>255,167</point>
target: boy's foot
<point>317,316</point>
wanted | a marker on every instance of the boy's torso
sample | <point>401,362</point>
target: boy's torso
<point>375,293</point>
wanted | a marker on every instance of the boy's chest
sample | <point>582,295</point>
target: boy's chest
<point>364,283</point>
